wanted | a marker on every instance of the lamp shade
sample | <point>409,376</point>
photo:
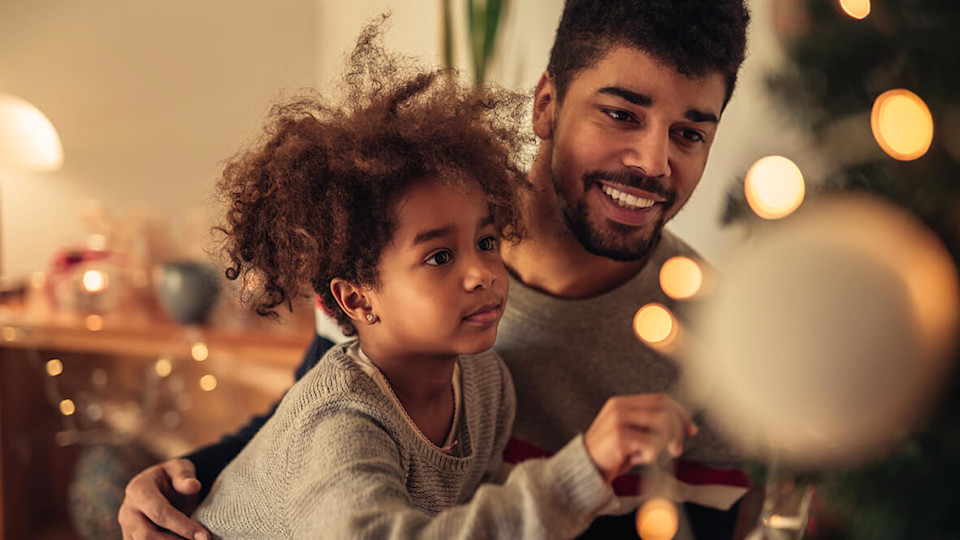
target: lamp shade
<point>28,141</point>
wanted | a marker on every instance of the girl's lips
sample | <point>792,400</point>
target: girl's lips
<point>485,316</point>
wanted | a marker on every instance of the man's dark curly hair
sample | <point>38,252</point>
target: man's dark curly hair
<point>695,37</point>
<point>316,198</point>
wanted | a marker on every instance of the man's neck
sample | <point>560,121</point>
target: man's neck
<point>551,260</point>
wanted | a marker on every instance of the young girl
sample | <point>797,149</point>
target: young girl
<point>391,208</point>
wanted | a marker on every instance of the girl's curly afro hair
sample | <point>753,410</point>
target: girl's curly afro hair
<point>315,198</point>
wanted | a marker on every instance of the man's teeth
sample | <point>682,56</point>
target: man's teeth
<point>625,200</point>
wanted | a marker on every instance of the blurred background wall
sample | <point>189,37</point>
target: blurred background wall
<point>151,97</point>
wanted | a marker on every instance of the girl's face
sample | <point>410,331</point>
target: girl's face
<point>443,286</point>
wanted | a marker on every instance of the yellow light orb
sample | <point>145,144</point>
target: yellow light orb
<point>902,124</point>
<point>94,323</point>
<point>655,325</point>
<point>858,9</point>
<point>774,187</point>
<point>657,520</point>
<point>208,382</point>
<point>54,367</point>
<point>94,281</point>
<point>199,351</point>
<point>681,278</point>
<point>163,367</point>
<point>9,333</point>
<point>67,407</point>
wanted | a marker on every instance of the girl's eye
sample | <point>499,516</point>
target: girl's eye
<point>487,243</point>
<point>439,258</point>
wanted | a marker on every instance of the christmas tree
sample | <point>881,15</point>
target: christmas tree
<point>844,56</point>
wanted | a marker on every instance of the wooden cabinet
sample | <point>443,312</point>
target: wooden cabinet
<point>129,375</point>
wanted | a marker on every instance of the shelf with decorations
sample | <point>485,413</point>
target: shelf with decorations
<point>78,386</point>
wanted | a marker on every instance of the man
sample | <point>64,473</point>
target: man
<point>626,114</point>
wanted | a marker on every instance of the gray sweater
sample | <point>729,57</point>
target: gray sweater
<point>338,460</point>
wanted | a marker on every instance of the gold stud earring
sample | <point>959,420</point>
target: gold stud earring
<point>370,317</point>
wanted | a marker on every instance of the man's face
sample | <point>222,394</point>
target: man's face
<point>626,148</point>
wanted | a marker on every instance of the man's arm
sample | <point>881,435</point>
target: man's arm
<point>161,496</point>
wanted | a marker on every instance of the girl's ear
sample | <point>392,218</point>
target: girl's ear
<point>544,104</point>
<point>352,300</point>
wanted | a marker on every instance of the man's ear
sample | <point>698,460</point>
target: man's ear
<point>352,300</point>
<point>544,104</point>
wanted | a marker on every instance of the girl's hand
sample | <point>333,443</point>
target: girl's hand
<point>634,430</point>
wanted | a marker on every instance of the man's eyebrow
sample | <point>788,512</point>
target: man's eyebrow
<point>641,100</point>
<point>695,115</point>
<point>430,234</point>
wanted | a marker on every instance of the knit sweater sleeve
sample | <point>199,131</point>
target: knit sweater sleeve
<point>349,480</point>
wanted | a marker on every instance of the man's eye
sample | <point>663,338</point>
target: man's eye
<point>618,115</point>
<point>439,258</point>
<point>487,243</point>
<point>692,136</point>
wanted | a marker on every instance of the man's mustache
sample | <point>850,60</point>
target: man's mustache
<point>650,184</point>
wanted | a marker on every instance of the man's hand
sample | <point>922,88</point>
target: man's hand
<point>634,430</point>
<point>158,501</point>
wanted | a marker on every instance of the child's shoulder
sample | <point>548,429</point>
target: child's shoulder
<point>335,380</point>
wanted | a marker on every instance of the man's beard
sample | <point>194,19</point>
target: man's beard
<point>617,242</point>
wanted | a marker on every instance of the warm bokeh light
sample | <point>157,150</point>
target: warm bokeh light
<point>94,281</point>
<point>94,412</point>
<point>208,382</point>
<point>657,519</point>
<point>681,278</point>
<point>199,351</point>
<point>163,367</point>
<point>99,377</point>
<point>28,141</point>
<point>9,333</point>
<point>774,187</point>
<point>94,323</point>
<point>67,407</point>
<point>54,367</point>
<point>654,324</point>
<point>849,305</point>
<point>902,124</point>
<point>858,9</point>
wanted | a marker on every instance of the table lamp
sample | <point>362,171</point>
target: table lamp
<point>28,143</point>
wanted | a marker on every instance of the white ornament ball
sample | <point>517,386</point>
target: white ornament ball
<point>829,335</point>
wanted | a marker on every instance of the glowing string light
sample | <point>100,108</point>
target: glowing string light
<point>774,187</point>
<point>199,351</point>
<point>681,278</point>
<point>67,407</point>
<point>902,124</point>
<point>208,383</point>
<point>655,325</point>
<point>858,9</point>
<point>657,519</point>
<point>54,367</point>
<point>163,367</point>
<point>94,281</point>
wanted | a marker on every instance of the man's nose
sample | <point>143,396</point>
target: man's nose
<point>649,151</point>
